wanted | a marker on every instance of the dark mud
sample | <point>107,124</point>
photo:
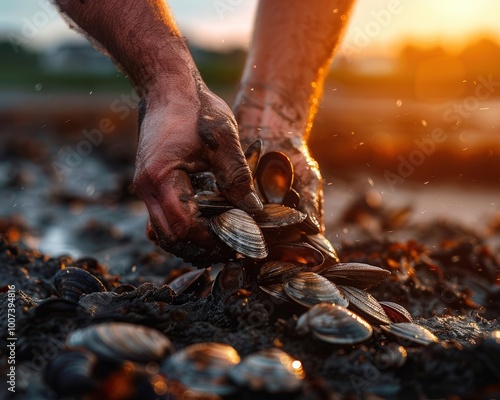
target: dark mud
<point>451,289</point>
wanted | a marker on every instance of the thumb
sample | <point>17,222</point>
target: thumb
<point>234,177</point>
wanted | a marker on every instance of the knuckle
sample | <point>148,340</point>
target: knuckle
<point>238,177</point>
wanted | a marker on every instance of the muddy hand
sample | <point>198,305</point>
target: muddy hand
<point>190,132</point>
<point>307,181</point>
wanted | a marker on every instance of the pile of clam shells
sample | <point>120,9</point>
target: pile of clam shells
<point>280,256</point>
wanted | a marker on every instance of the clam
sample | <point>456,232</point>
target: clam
<point>278,271</point>
<point>70,373</point>
<point>71,283</point>
<point>240,232</point>
<point>296,252</point>
<point>362,276</point>
<point>309,288</point>
<point>334,324</point>
<point>204,182</point>
<point>396,312</point>
<point>228,281</point>
<point>252,154</point>
<point>276,216</point>
<point>203,367</point>
<point>364,304</point>
<point>270,370</point>
<point>274,176</point>
<point>410,332</point>
<point>211,203</point>
<point>120,341</point>
<point>275,290</point>
<point>184,281</point>
<point>292,199</point>
<point>321,243</point>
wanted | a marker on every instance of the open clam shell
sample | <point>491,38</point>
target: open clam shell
<point>270,370</point>
<point>72,282</point>
<point>321,243</point>
<point>362,276</point>
<point>203,367</point>
<point>296,252</point>
<point>184,281</point>
<point>240,232</point>
<point>278,271</point>
<point>309,288</point>
<point>120,341</point>
<point>364,304</point>
<point>252,154</point>
<point>334,324</point>
<point>396,312</point>
<point>411,333</point>
<point>275,216</point>
<point>274,176</point>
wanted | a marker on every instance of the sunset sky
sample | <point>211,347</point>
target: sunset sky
<point>426,21</point>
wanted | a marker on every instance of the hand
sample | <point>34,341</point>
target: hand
<point>190,130</point>
<point>271,125</point>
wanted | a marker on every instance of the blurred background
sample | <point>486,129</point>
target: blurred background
<point>408,121</point>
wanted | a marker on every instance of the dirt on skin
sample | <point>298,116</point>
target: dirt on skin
<point>451,289</point>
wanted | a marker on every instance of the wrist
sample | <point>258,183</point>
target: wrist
<point>268,113</point>
<point>163,70</point>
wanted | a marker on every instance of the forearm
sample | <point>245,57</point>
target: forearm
<point>292,48</point>
<point>141,36</point>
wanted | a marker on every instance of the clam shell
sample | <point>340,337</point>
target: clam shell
<point>184,281</point>
<point>270,370</point>
<point>278,271</point>
<point>334,324</point>
<point>364,304</point>
<point>71,373</point>
<point>275,290</point>
<point>321,243</point>
<point>71,283</point>
<point>362,276</point>
<point>274,176</point>
<point>276,216</point>
<point>240,232</point>
<point>410,333</point>
<point>204,182</point>
<point>252,154</point>
<point>228,281</point>
<point>292,199</point>
<point>203,367</point>
<point>396,312</point>
<point>210,203</point>
<point>120,341</point>
<point>296,252</point>
<point>309,288</point>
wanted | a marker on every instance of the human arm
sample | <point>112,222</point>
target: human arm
<point>185,129</point>
<point>279,94</point>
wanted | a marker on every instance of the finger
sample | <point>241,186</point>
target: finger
<point>176,197</point>
<point>233,175</point>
